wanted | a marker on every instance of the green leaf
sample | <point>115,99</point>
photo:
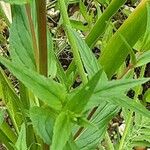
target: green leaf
<point>143,43</point>
<point>49,91</point>
<point>21,141</point>
<point>116,47</point>
<point>89,60</point>
<point>62,131</point>
<point>101,23</point>
<point>112,89</point>
<point>11,100</point>
<point>43,122</point>
<point>117,87</point>
<point>128,103</point>
<point>143,59</point>
<point>81,98</point>
<point>17,1</point>
<point>21,48</point>
<point>91,137</point>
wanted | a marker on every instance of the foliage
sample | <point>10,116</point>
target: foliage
<point>50,111</point>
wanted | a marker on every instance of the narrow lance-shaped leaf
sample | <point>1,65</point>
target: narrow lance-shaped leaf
<point>124,101</point>
<point>80,99</point>
<point>100,25</point>
<point>49,91</point>
<point>113,89</point>
<point>62,131</point>
<point>143,43</point>
<point>116,87</point>
<point>21,48</point>
<point>11,100</point>
<point>91,137</point>
<point>89,60</point>
<point>116,47</point>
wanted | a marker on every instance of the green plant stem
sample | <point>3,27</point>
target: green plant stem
<point>109,145</point>
<point>33,34</point>
<point>101,24</point>
<point>130,118</point>
<point>76,54</point>
<point>42,36</point>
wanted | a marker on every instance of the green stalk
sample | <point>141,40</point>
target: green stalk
<point>101,24</point>
<point>76,54</point>
<point>42,36</point>
<point>130,118</point>
<point>33,34</point>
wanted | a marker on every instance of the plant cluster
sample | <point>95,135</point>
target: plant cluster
<point>70,108</point>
